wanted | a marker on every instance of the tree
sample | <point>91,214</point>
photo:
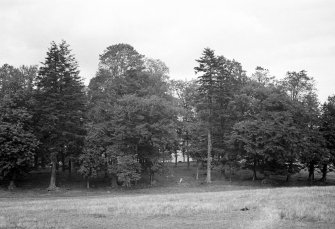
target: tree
<point>120,58</point>
<point>315,152</point>
<point>229,82</point>
<point>327,129</point>
<point>17,80</point>
<point>208,71</point>
<point>133,111</point>
<point>142,127</point>
<point>156,67</point>
<point>186,100</point>
<point>265,134</point>
<point>301,89</point>
<point>262,76</point>
<point>198,147</point>
<point>91,159</point>
<point>114,63</point>
<point>17,140</point>
<point>297,84</point>
<point>219,80</point>
<point>61,104</point>
<point>128,169</point>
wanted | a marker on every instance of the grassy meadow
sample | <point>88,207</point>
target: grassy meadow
<point>223,204</point>
<point>309,207</point>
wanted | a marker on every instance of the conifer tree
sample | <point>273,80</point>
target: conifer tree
<point>61,104</point>
<point>208,70</point>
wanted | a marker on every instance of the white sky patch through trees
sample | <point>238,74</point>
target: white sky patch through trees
<point>286,35</point>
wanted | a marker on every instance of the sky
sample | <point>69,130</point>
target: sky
<point>285,35</point>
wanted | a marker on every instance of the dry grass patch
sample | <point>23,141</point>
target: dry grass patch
<point>313,204</point>
<point>263,208</point>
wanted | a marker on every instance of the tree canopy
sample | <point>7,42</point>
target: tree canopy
<point>132,118</point>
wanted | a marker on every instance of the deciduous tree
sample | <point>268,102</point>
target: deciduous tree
<point>17,140</point>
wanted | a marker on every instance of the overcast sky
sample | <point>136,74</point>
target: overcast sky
<point>285,35</point>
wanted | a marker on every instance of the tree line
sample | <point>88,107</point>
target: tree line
<point>131,118</point>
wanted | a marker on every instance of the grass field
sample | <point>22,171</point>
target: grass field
<point>308,207</point>
<point>223,204</point>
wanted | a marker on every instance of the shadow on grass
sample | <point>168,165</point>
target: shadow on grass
<point>34,184</point>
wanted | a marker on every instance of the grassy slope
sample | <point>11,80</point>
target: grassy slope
<point>311,207</point>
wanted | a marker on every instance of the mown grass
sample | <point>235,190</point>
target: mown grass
<point>311,207</point>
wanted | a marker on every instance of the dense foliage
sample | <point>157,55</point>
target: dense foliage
<point>18,142</point>
<point>131,119</point>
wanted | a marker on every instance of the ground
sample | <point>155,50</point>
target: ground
<point>170,204</point>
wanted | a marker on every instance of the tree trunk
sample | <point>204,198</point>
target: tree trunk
<point>36,161</point>
<point>52,185</point>
<point>188,155</point>
<point>197,174</point>
<point>209,157</point>
<point>311,172</point>
<point>114,181</point>
<point>288,177</point>
<point>176,159</point>
<point>70,168</point>
<point>151,177</point>
<point>88,183</point>
<point>12,185</point>
<point>324,172</point>
<point>263,166</point>
<point>254,176</point>
<point>106,170</point>
<point>63,162</point>
<point>223,171</point>
<point>42,162</point>
<point>57,165</point>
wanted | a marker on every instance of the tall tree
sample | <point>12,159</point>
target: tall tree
<point>265,134</point>
<point>327,129</point>
<point>133,111</point>
<point>230,79</point>
<point>301,89</point>
<point>207,71</point>
<point>219,80</point>
<point>17,140</point>
<point>61,104</point>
